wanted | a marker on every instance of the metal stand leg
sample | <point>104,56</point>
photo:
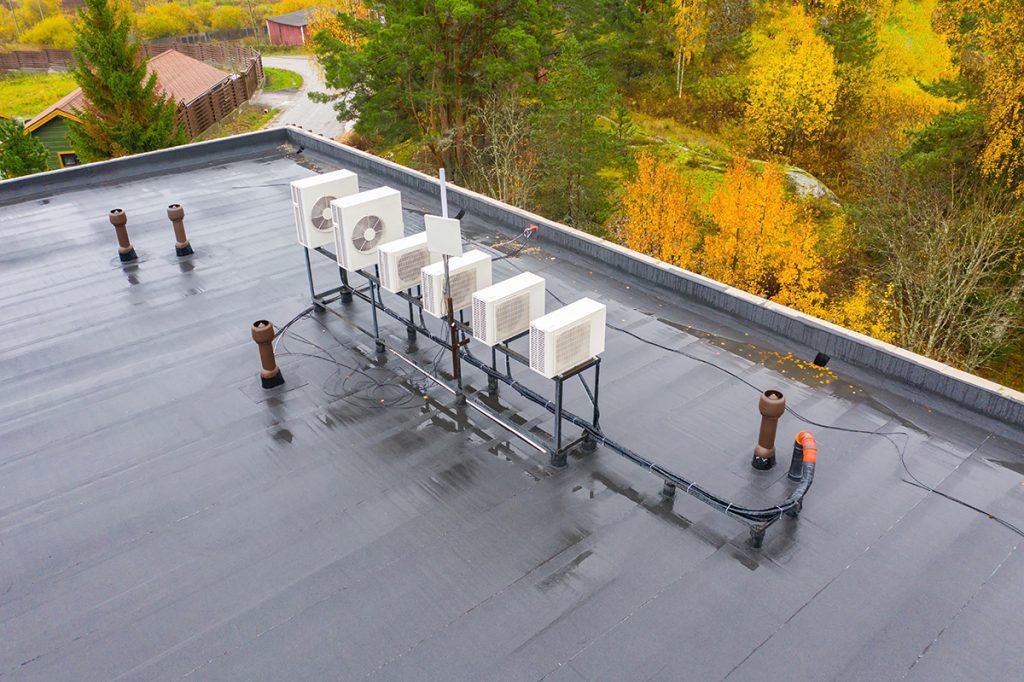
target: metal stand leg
<point>558,458</point>
<point>589,444</point>
<point>492,382</point>
<point>756,537</point>
<point>410,330</point>
<point>346,290</point>
<point>309,275</point>
<point>378,344</point>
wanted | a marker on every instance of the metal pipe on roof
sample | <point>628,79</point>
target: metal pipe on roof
<point>125,250</point>
<point>176,214</point>
<point>263,335</point>
<point>771,405</point>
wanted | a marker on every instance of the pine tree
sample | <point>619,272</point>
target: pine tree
<point>20,154</point>
<point>125,114</point>
<point>571,148</point>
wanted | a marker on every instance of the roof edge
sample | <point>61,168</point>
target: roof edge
<point>910,369</point>
<point>175,159</point>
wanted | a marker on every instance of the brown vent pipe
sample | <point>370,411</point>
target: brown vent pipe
<point>125,250</point>
<point>177,215</point>
<point>771,405</point>
<point>263,335</point>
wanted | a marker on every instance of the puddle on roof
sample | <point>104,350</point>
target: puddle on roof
<point>787,364</point>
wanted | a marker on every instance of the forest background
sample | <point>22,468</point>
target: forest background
<point>862,161</point>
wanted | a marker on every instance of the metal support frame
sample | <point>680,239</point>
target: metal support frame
<point>757,520</point>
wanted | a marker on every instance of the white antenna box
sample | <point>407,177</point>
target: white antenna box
<point>469,273</point>
<point>567,337</point>
<point>311,201</point>
<point>505,309</point>
<point>363,222</point>
<point>400,262</point>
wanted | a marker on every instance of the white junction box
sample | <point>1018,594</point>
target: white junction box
<point>506,309</point>
<point>400,262</point>
<point>469,273</point>
<point>567,337</point>
<point>363,222</point>
<point>311,201</point>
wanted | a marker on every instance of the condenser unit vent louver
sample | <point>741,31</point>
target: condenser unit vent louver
<point>400,262</point>
<point>506,309</point>
<point>469,273</point>
<point>311,202</point>
<point>363,222</point>
<point>567,338</point>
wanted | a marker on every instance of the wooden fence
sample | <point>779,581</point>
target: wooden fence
<point>197,115</point>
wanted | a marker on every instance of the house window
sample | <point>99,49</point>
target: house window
<point>67,159</point>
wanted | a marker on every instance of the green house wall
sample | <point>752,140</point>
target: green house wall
<point>54,136</point>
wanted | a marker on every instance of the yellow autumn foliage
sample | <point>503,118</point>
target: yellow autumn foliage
<point>793,84</point>
<point>658,212</point>
<point>863,311</point>
<point>765,243</point>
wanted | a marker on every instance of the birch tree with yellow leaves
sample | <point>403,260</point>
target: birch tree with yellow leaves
<point>659,212</point>
<point>793,85</point>
<point>691,30</point>
<point>765,243</point>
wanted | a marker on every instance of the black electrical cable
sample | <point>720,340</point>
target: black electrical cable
<point>900,451</point>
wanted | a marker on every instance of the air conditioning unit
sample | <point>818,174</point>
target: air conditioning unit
<point>505,309</point>
<point>400,262</point>
<point>567,337</point>
<point>469,273</point>
<point>363,222</point>
<point>311,200</point>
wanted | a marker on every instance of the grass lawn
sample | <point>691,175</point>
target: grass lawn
<point>26,94</point>
<point>246,120</point>
<point>282,79</point>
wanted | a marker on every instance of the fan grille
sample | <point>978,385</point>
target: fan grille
<point>409,265</point>
<point>572,346</point>
<point>367,233</point>
<point>463,285</point>
<point>512,316</point>
<point>320,214</point>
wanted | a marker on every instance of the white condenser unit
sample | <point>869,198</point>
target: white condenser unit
<point>469,273</point>
<point>567,337</point>
<point>506,309</point>
<point>400,262</point>
<point>311,200</point>
<point>363,222</point>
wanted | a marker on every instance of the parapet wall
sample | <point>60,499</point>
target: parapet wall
<point>977,394</point>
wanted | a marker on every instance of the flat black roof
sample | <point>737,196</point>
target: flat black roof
<point>163,516</point>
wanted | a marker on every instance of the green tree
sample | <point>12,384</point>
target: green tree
<point>419,68</point>
<point>124,113</point>
<point>570,146</point>
<point>20,154</point>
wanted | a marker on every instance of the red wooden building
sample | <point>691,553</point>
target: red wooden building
<point>289,29</point>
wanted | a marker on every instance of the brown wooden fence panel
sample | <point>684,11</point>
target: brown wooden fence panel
<point>196,116</point>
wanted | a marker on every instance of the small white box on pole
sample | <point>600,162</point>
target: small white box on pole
<point>444,235</point>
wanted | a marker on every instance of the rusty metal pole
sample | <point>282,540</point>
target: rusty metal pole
<point>177,216</point>
<point>125,250</point>
<point>263,335</point>
<point>771,405</point>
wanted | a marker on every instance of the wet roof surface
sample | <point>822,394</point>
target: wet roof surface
<point>162,516</point>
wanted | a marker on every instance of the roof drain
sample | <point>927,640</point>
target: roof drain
<point>125,250</point>
<point>176,214</point>
<point>263,335</point>
<point>771,405</point>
